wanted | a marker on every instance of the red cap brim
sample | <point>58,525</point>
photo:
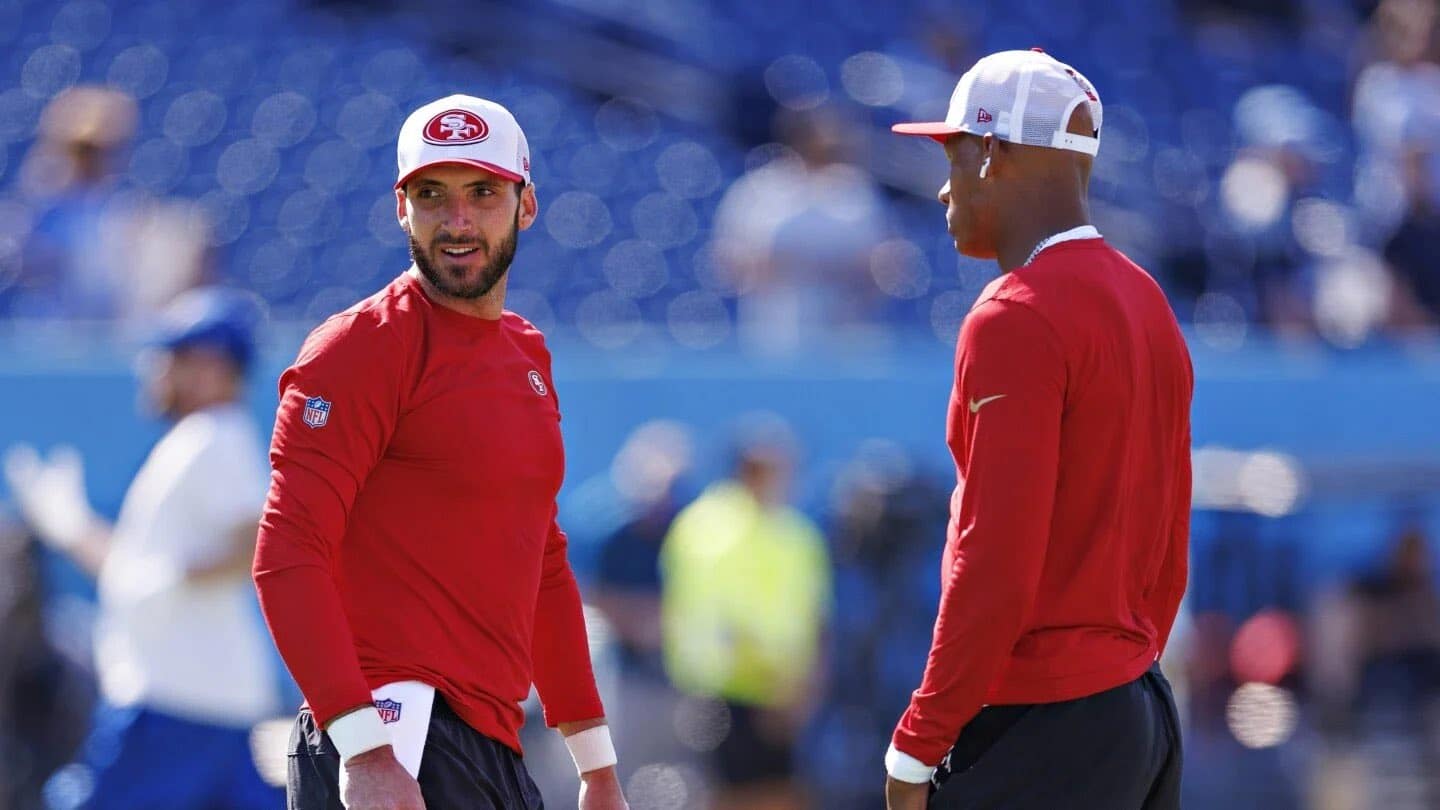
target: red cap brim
<point>477,164</point>
<point>939,130</point>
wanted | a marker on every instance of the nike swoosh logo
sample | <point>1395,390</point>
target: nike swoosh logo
<point>977,404</point>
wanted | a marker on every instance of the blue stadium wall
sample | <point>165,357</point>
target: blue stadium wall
<point>1373,409</point>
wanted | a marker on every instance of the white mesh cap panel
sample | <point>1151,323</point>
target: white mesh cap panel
<point>1049,106</point>
<point>1024,97</point>
<point>989,102</point>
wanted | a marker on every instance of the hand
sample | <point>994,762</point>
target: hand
<point>51,494</point>
<point>600,790</point>
<point>377,781</point>
<point>906,795</point>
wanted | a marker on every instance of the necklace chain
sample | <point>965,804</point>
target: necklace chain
<point>1055,238</point>
<point>1044,243</point>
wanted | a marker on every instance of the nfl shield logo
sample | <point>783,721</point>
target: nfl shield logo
<point>317,412</point>
<point>389,710</point>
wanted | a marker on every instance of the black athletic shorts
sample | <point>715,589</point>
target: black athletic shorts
<point>1116,750</point>
<point>461,768</point>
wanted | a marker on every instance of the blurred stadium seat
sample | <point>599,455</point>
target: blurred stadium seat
<point>277,118</point>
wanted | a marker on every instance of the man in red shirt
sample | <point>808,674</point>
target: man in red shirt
<point>409,562</point>
<point>1069,423</point>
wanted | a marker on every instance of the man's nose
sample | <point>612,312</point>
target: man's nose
<point>945,194</point>
<point>457,214</point>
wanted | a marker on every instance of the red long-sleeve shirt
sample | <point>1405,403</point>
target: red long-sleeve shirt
<point>1068,539</point>
<point>410,530</point>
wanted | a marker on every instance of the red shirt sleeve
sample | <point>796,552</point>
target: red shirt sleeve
<point>1004,432</point>
<point>559,648</point>
<point>320,459</point>
<point>559,645</point>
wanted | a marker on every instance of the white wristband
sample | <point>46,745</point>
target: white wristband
<point>904,768</point>
<point>357,732</point>
<point>591,749</point>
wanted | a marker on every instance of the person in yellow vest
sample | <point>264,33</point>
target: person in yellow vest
<point>746,591</point>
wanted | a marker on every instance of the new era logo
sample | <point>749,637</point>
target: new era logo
<point>317,412</point>
<point>983,117</point>
<point>389,710</point>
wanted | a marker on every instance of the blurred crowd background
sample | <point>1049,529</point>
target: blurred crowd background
<point>752,302</point>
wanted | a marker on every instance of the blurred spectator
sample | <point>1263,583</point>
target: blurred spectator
<point>648,476</point>
<point>44,697</point>
<point>795,236</point>
<point>97,250</point>
<point>1397,623</point>
<point>1396,99</point>
<point>746,590</point>
<point>887,529</point>
<point>1256,256</point>
<point>1411,249</point>
<point>1402,82</point>
<point>1377,672</point>
<point>1398,612</point>
<point>647,473</point>
<point>183,663</point>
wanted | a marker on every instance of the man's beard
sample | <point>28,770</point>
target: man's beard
<point>453,283</point>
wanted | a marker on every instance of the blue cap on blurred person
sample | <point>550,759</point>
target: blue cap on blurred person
<point>216,317</point>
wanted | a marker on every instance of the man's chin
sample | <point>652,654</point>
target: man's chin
<point>465,292</point>
<point>460,281</point>
<point>973,250</point>
<point>468,286</point>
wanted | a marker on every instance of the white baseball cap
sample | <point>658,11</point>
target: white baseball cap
<point>463,130</point>
<point>1023,97</point>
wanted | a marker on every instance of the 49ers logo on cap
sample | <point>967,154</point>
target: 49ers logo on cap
<point>456,128</point>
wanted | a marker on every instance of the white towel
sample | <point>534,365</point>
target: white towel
<point>405,707</point>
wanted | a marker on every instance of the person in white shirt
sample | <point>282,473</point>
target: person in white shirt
<point>798,237</point>
<point>183,662</point>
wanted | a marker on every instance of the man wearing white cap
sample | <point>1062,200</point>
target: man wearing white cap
<point>409,562</point>
<point>1069,424</point>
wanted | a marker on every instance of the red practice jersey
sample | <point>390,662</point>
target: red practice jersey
<point>1069,531</point>
<point>410,530</point>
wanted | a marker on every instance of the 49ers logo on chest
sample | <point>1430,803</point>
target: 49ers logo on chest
<point>456,128</point>
<point>537,383</point>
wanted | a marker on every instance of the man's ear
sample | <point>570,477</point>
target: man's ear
<point>989,155</point>
<point>1081,122</point>
<point>402,214</point>
<point>529,207</point>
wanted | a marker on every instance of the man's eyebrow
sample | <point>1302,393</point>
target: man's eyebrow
<point>472,184</point>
